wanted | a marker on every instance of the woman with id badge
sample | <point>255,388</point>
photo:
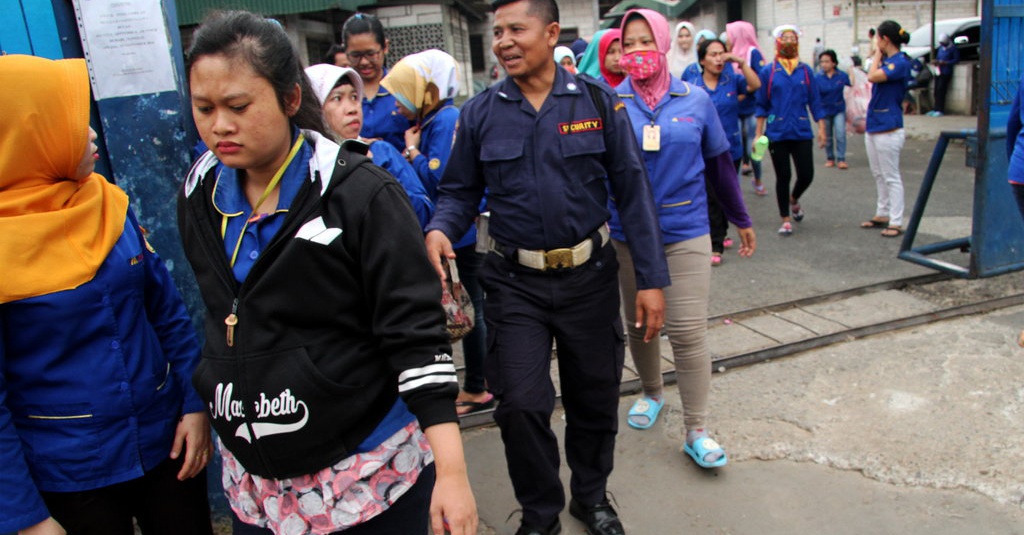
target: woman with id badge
<point>682,139</point>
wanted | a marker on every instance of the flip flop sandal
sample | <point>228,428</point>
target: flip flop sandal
<point>700,450</point>
<point>892,232</point>
<point>874,223</point>
<point>474,406</point>
<point>644,407</point>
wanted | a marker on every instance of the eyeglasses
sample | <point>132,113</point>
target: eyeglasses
<point>370,55</point>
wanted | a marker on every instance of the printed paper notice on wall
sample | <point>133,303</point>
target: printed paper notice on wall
<point>127,47</point>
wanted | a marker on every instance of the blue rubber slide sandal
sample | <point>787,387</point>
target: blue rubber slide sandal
<point>644,412</point>
<point>700,449</point>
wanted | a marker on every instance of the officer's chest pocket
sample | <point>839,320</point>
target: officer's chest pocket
<point>583,154</point>
<point>502,163</point>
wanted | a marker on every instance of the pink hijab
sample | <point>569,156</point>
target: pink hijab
<point>654,88</point>
<point>603,45</point>
<point>742,40</point>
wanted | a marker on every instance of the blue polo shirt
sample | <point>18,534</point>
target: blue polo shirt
<point>830,90</point>
<point>885,111</point>
<point>382,120</point>
<point>725,97</point>
<point>229,199</point>
<point>548,173</point>
<point>949,54</point>
<point>784,99</point>
<point>690,132</point>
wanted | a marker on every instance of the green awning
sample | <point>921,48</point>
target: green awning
<point>672,9</point>
<point>192,11</point>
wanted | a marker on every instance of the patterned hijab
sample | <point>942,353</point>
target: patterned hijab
<point>55,231</point>
<point>422,81</point>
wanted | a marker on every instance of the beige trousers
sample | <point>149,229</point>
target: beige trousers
<point>686,324</point>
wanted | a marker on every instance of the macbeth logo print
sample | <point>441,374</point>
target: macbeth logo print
<point>285,412</point>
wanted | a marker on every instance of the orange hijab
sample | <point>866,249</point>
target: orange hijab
<point>55,231</point>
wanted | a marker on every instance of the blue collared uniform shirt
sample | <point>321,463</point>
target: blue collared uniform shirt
<point>93,381</point>
<point>690,132</point>
<point>1015,137</point>
<point>885,110</point>
<point>749,105</point>
<point>725,97</point>
<point>830,91</point>
<point>382,120</point>
<point>547,172</point>
<point>388,157</point>
<point>785,106</point>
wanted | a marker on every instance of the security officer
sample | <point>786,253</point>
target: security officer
<point>546,152</point>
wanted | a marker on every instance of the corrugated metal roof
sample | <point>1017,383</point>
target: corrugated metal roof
<point>192,11</point>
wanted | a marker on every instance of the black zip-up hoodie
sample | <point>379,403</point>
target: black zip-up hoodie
<point>339,316</point>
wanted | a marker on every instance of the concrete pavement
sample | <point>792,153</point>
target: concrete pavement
<point>914,431</point>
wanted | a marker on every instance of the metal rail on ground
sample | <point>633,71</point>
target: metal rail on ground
<point>632,386</point>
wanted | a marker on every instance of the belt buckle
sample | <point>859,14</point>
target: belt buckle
<point>558,259</point>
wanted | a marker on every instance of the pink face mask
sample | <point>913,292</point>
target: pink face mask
<point>642,64</point>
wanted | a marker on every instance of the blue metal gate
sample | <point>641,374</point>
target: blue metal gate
<point>996,243</point>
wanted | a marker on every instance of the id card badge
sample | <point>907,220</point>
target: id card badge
<point>652,137</point>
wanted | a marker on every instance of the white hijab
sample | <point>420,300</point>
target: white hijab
<point>677,59</point>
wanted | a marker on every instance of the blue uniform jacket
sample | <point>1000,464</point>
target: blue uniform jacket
<point>547,173</point>
<point>951,56</point>
<point>1015,138</point>
<point>784,99</point>
<point>830,91</point>
<point>438,131</point>
<point>93,381</point>
<point>885,109</point>
<point>382,120</point>
<point>725,97</point>
<point>749,105</point>
<point>388,157</point>
<point>690,132</point>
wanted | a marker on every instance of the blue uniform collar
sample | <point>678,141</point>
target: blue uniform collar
<point>229,195</point>
<point>430,116</point>
<point>676,88</point>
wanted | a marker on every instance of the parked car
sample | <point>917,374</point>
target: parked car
<point>965,32</point>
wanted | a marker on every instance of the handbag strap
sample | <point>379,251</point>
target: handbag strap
<point>454,271</point>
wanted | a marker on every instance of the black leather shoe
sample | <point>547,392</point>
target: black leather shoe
<point>600,519</point>
<point>554,529</point>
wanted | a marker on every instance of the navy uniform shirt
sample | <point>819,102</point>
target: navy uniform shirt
<point>547,173</point>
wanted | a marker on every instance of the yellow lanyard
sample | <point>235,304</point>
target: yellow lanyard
<point>266,193</point>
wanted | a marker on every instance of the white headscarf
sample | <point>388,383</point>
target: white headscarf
<point>324,77</point>
<point>677,59</point>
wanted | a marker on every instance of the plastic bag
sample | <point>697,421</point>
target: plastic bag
<point>858,95</point>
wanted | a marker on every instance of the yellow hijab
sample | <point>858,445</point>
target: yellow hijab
<point>55,231</point>
<point>422,81</point>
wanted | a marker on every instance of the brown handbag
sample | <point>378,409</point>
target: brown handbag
<point>458,306</point>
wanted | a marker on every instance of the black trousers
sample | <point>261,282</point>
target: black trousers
<point>941,89</point>
<point>579,309</point>
<point>409,515</point>
<point>160,503</point>
<point>802,153</point>
<point>716,216</point>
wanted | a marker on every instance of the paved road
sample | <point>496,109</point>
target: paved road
<point>917,431</point>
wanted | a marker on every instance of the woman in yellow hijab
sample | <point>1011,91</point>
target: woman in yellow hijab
<point>98,419</point>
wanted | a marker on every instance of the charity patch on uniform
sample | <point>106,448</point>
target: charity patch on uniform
<point>891,67</point>
<point>576,127</point>
<point>434,164</point>
<point>682,119</point>
<point>135,260</point>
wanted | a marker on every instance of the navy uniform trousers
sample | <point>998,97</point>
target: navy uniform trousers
<point>579,309</point>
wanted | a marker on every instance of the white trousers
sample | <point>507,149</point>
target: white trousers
<point>884,158</point>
